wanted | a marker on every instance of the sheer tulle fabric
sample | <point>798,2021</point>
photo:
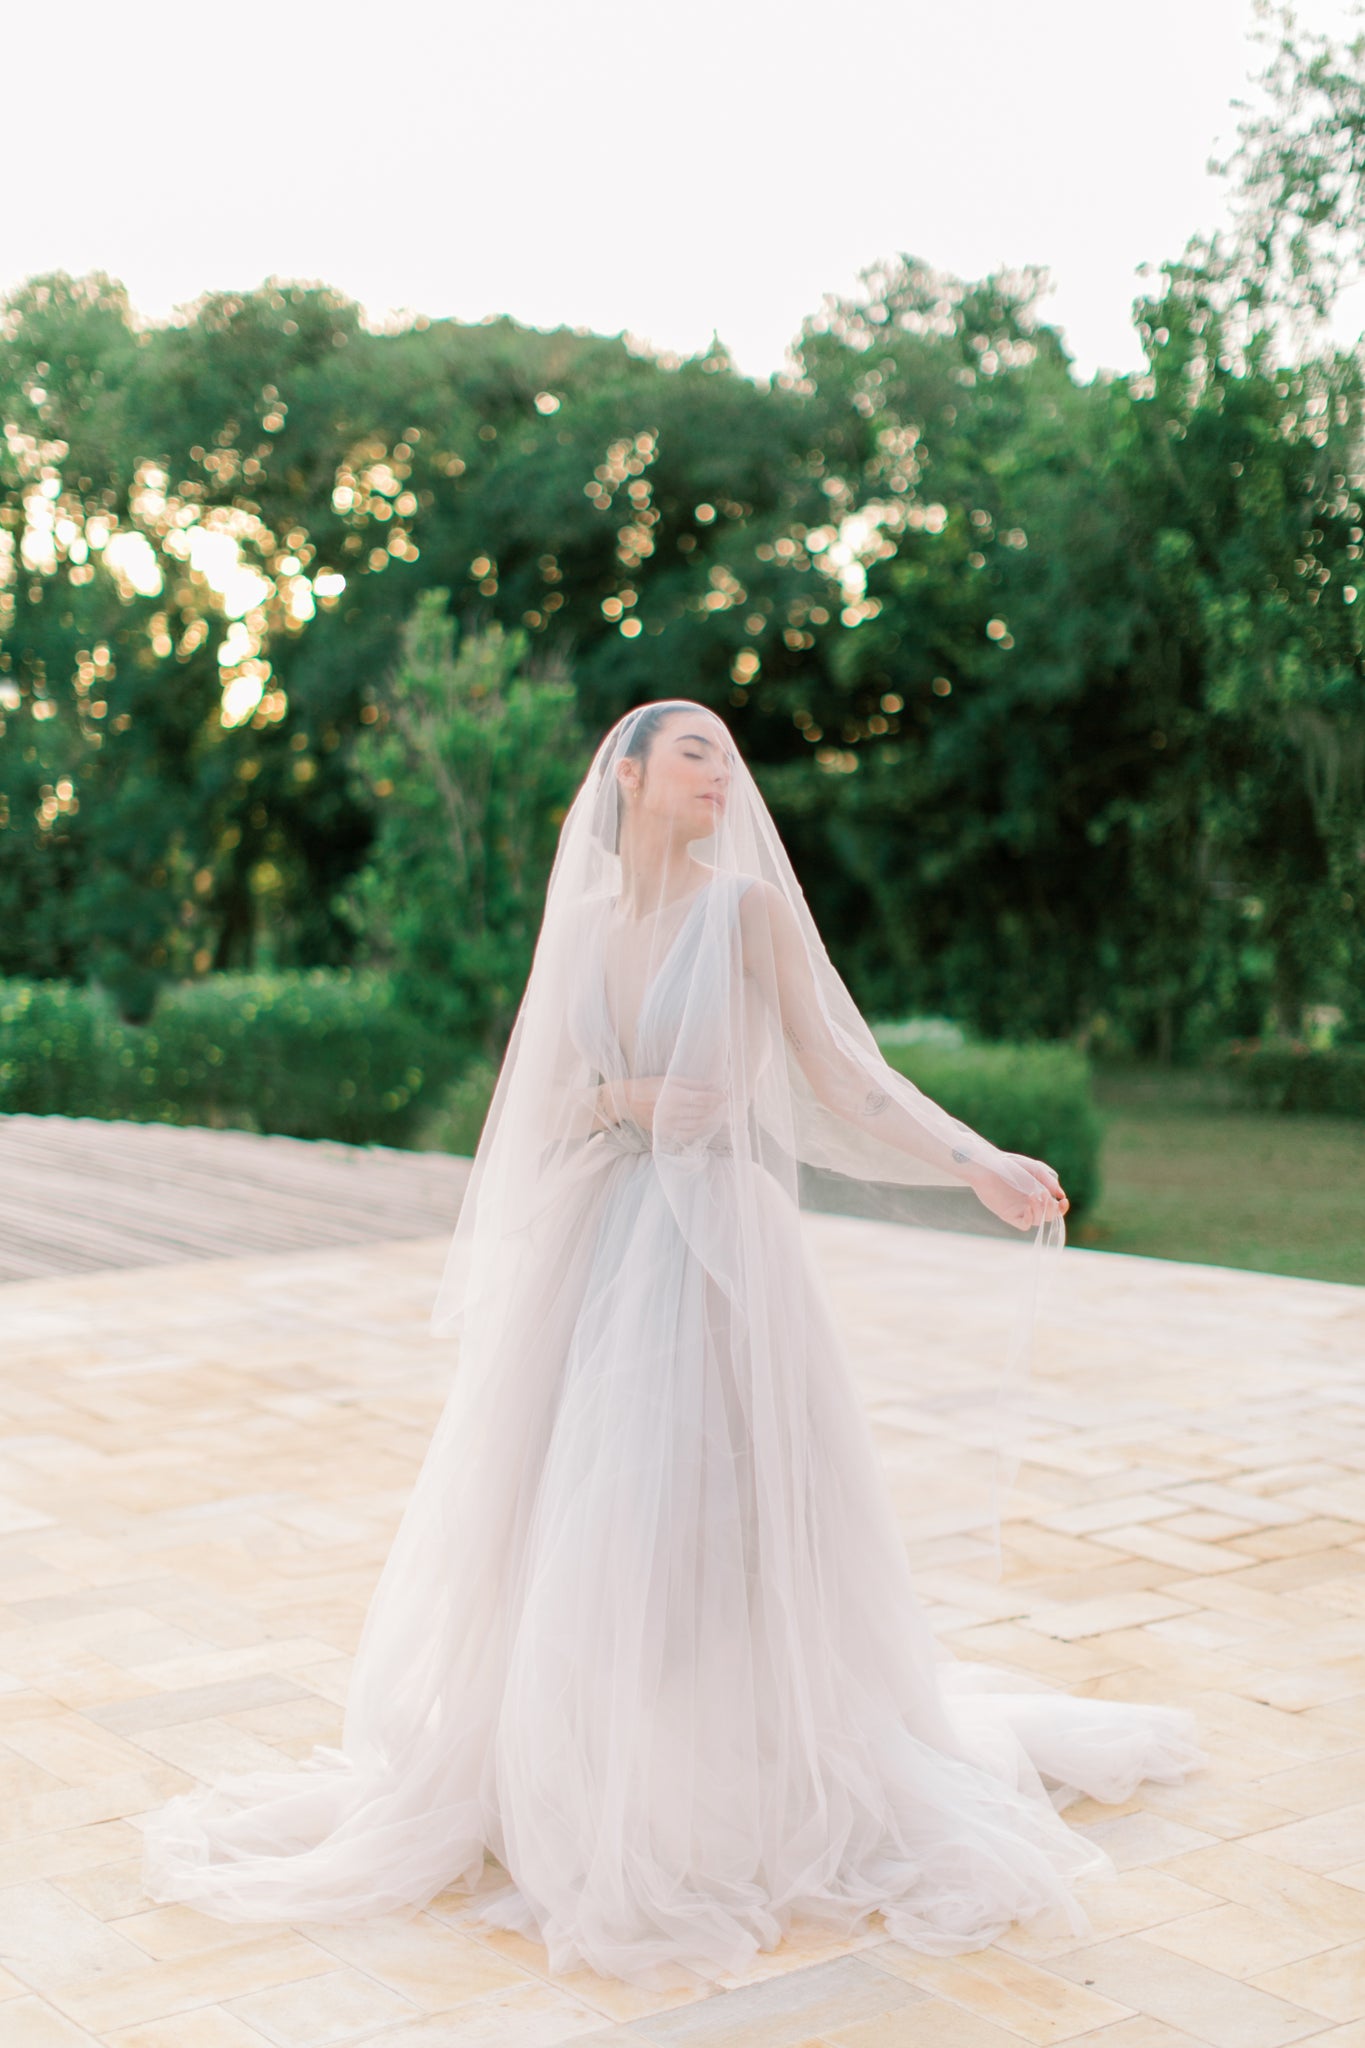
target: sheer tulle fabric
<point>647,1631</point>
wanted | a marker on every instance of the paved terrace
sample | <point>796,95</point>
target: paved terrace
<point>201,1467</point>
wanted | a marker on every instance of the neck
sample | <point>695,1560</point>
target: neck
<point>655,874</point>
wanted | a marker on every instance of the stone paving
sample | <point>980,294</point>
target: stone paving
<point>201,1468</point>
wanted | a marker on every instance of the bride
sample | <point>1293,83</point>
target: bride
<point>647,1632</point>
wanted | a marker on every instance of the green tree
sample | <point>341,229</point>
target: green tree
<point>472,759</point>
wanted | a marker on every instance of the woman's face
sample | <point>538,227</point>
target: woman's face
<point>687,774</point>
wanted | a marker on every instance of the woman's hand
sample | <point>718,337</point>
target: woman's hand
<point>1043,1172</point>
<point>691,1107</point>
<point>1022,1208</point>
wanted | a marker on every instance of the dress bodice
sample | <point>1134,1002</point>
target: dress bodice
<point>627,1025</point>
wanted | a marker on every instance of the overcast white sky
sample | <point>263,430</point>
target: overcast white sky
<point>657,168</point>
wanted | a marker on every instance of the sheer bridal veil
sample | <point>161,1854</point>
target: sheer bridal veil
<point>685,1070</point>
<point>771,1067</point>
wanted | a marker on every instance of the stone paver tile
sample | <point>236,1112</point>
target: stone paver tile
<point>1309,1735</point>
<point>1213,2007</point>
<point>1332,1984</point>
<point>71,1749</point>
<point>1110,1514</point>
<point>1325,1843</point>
<point>167,1932</point>
<point>1032,1549</point>
<point>1162,1545</point>
<point>206,1749</point>
<point>528,2015</point>
<point>1321,1533</point>
<point>1065,1665</point>
<point>1107,1575</point>
<point>208,2026</point>
<point>63,1852</point>
<point>1138,1838</point>
<point>1127,1903</point>
<point>31,2023</point>
<point>1307,1572</point>
<point>1302,1685</point>
<point>1256,1611</point>
<point>1241,1942</point>
<point>1220,1805</point>
<point>1201,1525</point>
<point>195,1703</point>
<point>1350,1713</point>
<point>1080,1618</point>
<point>1244,1505</point>
<point>425,1961</point>
<point>608,1997</point>
<point>799,1949</point>
<point>1142,2032</point>
<point>1317,1788</point>
<point>156,1991</point>
<point>49,1940</point>
<point>1238,1873</point>
<point>1024,1997</point>
<point>112,1891</point>
<point>339,2005</point>
<point>935,2025</point>
<point>785,2010</point>
<point>1209,1630</point>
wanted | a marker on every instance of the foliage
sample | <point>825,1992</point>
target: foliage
<point>1056,689</point>
<point>1299,168</point>
<point>472,763</point>
<point>1328,1080</point>
<point>313,1054</point>
<point>456,1120</point>
<point>1024,1098</point>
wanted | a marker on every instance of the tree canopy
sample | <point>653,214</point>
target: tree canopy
<point>1055,687</point>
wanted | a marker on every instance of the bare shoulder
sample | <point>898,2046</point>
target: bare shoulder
<point>764,913</point>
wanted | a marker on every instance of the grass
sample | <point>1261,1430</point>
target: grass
<point>1186,1174</point>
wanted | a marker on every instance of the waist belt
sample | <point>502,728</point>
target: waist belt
<point>632,1137</point>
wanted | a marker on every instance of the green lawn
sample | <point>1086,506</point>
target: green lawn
<point>1185,1175</point>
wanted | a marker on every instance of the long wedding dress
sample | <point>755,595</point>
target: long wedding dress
<point>664,1659</point>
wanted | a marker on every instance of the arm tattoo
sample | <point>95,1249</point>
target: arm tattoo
<point>875,1103</point>
<point>789,1032</point>
<point>962,1157</point>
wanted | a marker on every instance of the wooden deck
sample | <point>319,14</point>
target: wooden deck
<point>81,1196</point>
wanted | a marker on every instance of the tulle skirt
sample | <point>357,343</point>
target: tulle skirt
<point>647,1635</point>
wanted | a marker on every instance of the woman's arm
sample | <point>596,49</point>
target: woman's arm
<point>693,1105</point>
<point>775,954</point>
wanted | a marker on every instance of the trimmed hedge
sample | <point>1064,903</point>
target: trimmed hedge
<point>1034,1099</point>
<point>1296,1076</point>
<point>326,1054</point>
<point>312,1054</point>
